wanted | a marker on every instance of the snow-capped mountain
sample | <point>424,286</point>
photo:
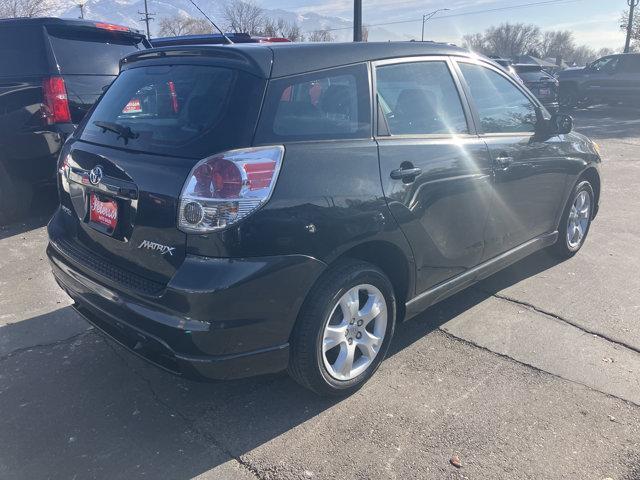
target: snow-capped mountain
<point>126,12</point>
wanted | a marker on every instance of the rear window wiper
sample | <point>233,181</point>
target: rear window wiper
<point>123,132</point>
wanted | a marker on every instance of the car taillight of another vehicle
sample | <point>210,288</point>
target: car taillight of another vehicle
<point>223,189</point>
<point>55,107</point>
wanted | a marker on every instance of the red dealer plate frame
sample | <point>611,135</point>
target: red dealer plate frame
<point>103,213</point>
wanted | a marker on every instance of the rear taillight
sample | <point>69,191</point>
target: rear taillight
<point>112,27</point>
<point>223,189</point>
<point>56,104</point>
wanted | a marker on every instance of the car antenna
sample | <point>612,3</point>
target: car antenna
<point>228,40</point>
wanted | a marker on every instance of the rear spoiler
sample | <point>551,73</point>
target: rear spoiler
<point>90,26</point>
<point>256,60</point>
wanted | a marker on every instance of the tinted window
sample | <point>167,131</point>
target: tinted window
<point>182,110</point>
<point>606,64</point>
<point>533,74</point>
<point>420,98</point>
<point>332,104</point>
<point>94,52</point>
<point>502,107</point>
<point>22,51</point>
<point>630,64</point>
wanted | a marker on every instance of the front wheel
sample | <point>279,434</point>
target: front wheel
<point>343,330</point>
<point>576,221</point>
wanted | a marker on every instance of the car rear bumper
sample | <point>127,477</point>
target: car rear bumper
<point>236,324</point>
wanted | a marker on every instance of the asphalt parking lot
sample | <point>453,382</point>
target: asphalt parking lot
<point>533,374</point>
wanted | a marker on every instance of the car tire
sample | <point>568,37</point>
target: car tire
<point>324,338</point>
<point>15,197</point>
<point>576,221</point>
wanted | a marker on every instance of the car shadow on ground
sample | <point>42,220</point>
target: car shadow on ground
<point>92,409</point>
<point>607,121</point>
<point>43,206</point>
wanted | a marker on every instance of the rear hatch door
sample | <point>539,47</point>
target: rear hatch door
<point>131,157</point>
<point>88,60</point>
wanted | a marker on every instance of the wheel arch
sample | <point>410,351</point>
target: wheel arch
<point>593,177</point>
<point>392,261</point>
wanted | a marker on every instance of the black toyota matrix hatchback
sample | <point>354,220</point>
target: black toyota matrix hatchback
<point>228,211</point>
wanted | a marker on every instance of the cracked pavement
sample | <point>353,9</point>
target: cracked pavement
<point>534,373</point>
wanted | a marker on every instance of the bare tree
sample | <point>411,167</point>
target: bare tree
<point>180,25</point>
<point>582,55</point>
<point>475,42</point>
<point>635,26</point>
<point>557,44</point>
<point>512,39</point>
<point>603,52</point>
<point>244,16</point>
<point>323,35</point>
<point>282,28</point>
<point>28,8</point>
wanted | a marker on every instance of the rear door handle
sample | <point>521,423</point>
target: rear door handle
<point>503,160</point>
<point>405,173</point>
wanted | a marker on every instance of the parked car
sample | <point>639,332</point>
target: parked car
<point>213,39</point>
<point>228,211</point>
<point>541,83</point>
<point>610,79</point>
<point>51,73</point>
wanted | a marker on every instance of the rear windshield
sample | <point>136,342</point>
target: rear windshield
<point>79,51</point>
<point>181,110</point>
<point>532,74</point>
<point>22,51</point>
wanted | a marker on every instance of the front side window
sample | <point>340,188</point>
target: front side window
<point>420,99</point>
<point>606,64</point>
<point>332,104</point>
<point>502,107</point>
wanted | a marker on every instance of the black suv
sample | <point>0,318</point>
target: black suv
<point>239,210</point>
<point>610,79</point>
<point>51,73</point>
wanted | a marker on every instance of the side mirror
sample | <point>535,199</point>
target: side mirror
<point>560,124</point>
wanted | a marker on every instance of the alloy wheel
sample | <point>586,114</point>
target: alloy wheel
<point>354,332</point>
<point>578,222</point>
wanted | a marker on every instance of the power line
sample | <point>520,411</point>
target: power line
<point>476,12</point>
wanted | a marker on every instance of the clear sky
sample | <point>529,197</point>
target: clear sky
<point>594,22</point>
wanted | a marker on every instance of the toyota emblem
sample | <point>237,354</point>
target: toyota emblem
<point>95,175</point>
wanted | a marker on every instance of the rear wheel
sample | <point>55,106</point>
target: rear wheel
<point>570,98</point>
<point>576,221</point>
<point>344,329</point>
<point>15,197</point>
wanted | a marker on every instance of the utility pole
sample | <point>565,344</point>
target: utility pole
<point>632,5</point>
<point>81,7</point>
<point>429,15</point>
<point>357,20</point>
<point>146,18</point>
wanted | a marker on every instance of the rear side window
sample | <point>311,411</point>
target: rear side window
<point>22,51</point>
<point>89,51</point>
<point>420,98</point>
<point>182,110</point>
<point>630,64</point>
<point>332,104</point>
<point>502,107</point>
